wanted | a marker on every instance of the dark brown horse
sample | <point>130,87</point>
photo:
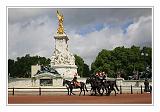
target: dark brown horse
<point>101,85</point>
<point>109,85</point>
<point>70,87</point>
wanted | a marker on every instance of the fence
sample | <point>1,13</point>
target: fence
<point>123,89</point>
<point>37,90</point>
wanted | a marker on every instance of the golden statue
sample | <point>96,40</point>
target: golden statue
<point>60,26</point>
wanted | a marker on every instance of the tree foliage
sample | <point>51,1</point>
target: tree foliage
<point>83,69</point>
<point>22,66</point>
<point>120,59</point>
<point>124,60</point>
<point>80,63</point>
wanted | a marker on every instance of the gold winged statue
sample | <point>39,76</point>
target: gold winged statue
<point>60,21</point>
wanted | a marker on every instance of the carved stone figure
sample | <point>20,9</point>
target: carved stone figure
<point>60,19</point>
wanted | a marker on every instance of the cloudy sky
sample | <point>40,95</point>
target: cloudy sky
<point>32,30</point>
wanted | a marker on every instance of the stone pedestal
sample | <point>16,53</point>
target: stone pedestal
<point>66,71</point>
<point>62,60</point>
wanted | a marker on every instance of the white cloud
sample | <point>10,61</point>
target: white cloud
<point>32,30</point>
<point>140,33</point>
<point>22,14</point>
<point>89,45</point>
<point>33,37</point>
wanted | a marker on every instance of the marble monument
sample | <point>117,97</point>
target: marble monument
<point>62,60</point>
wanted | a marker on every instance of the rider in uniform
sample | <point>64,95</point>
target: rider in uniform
<point>97,75</point>
<point>100,76</point>
<point>103,77</point>
<point>75,82</point>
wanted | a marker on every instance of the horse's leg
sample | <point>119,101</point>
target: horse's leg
<point>102,91</point>
<point>92,91</point>
<point>72,91</point>
<point>68,90</point>
<point>114,91</point>
<point>96,91</point>
<point>83,88</point>
<point>99,91</point>
<point>106,90</point>
<point>84,91</point>
<point>109,91</point>
<point>80,91</point>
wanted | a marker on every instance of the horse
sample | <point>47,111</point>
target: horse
<point>96,85</point>
<point>99,84</point>
<point>110,84</point>
<point>70,87</point>
<point>93,85</point>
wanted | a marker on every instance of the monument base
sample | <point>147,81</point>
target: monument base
<point>66,71</point>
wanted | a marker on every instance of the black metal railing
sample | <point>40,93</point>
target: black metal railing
<point>40,90</point>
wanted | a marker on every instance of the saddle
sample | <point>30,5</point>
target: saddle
<point>76,84</point>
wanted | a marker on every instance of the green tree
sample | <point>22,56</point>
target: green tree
<point>123,60</point>
<point>86,71</point>
<point>22,66</point>
<point>83,68</point>
<point>11,68</point>
<point>80,64</point>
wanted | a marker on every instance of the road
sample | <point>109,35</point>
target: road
<point>145,98</point>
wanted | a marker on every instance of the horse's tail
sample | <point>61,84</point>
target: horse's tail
<point>85,87</point>
<point>116,86</point>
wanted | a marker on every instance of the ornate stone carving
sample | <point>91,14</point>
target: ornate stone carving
<point>66,58</point>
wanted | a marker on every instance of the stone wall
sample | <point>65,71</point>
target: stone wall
<point>135,83</point>
<point>27,82</point>
<point>19,82</point>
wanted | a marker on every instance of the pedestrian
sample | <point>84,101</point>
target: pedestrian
<point>146,85</point>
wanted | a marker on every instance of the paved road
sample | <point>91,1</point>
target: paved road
<point>64,99</point>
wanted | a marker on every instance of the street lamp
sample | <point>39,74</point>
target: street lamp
<point>145,63</point>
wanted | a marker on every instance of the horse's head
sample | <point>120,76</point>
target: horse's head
<point>87,80</point>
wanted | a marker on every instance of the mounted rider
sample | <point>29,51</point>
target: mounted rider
<point>104,76</point>
<point>75,82</point>
<point>100,77</point>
